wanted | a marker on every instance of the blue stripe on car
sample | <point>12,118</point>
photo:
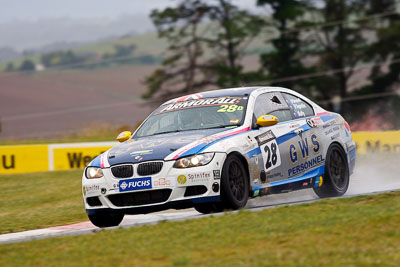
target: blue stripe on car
<point>311,174</point>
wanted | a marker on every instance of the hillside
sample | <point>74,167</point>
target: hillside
<point>55,103</point>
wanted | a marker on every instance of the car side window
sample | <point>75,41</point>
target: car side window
<point>282,115</point>
<point>268,102</point>
<point>298,107</point>
<point>272,104</point>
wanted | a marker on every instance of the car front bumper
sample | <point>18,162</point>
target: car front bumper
<point>170,188</point>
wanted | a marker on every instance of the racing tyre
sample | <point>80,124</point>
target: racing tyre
<point>336,177</point>
<point>207,208</point>
<point>234,184</point>
<point>106,218</point>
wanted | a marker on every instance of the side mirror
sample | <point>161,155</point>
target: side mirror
<point>267,120</point>
<point>125,135</point>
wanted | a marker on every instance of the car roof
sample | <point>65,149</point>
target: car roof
<point>239,91</point>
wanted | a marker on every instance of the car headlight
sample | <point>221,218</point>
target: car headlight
<point>93,172</point>
<point>194,161</point>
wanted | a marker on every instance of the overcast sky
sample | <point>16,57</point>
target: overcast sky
<point>42,9</point>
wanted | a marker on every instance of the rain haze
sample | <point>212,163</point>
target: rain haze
<point>33,24</point>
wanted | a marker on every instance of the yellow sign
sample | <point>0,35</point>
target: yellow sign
<point>377,142</point>
<point>68,158</point>
<point>23,159</point>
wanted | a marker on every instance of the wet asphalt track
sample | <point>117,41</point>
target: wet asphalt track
<point>372,175</point>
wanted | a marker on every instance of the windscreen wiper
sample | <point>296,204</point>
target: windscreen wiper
<point>174,131</point>
<point>222,126</point>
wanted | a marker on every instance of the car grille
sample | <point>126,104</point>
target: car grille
<point>149,168</point>
<point>122,171</point>
<point>140,198</point>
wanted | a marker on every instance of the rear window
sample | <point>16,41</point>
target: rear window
<point>298,107</point>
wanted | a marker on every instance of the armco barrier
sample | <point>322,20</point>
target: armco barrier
<point>37,158</point>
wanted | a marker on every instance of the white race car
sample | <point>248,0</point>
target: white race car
<point>213,150</point>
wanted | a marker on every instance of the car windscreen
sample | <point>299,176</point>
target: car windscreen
<point>205,113</point>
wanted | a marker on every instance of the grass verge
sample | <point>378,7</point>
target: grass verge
<point>354,231</point>
<point>37,200</point>
<point>92,133</point>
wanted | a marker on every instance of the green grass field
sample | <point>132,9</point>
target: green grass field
<point>38,200</point>
<point>356,231</point>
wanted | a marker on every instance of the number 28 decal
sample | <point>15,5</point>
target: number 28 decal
<point>271,155</point>
<point>229,108</point>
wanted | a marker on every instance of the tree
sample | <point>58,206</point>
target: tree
<point>206,42</point>
<point>10,67</point>
<point>180,27</point>
<point>340,45</point>
<point>27,65</point>
<point>233,29</point>
<point>385,48</point>
<point>286,58</point>
<point>383,78</point>
<point>62,58</point>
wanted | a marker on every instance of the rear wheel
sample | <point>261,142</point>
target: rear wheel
<point>336,177</point>
<point>106,218</point>
<point>234,184</point>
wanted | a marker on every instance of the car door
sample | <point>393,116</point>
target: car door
<point>302,140</point>
<point>271,161</point>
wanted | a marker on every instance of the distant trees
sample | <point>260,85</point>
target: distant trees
<point>61,58</point>
<point>121,51</point>
<point>313,46</point>
<point>288,49</point>
<point>207,40</point>
<point>27,65</point>
<point>10,67</point>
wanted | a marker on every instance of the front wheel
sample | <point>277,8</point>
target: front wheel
<point>234,184</point>
<point>336,177</point>
<point>106,218</point>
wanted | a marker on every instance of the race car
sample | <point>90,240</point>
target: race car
<point>214,150</point>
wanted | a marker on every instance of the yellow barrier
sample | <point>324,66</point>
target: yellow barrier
<point>23,159</point>
<point>37,158</point>
<point>377,142</point>
<point>75,158</point>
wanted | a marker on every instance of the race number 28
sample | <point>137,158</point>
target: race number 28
<point>271,155</point>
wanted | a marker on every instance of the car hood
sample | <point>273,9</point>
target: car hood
<point>156,147</point>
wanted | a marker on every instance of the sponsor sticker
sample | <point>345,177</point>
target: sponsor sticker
<point>199,177</point>
<point>307,165</point>
<point>265,137</point>
<point>202,102</point>
<point>274,175</point>
<point>142,152</point>
<point>181,179</point>
<point>162,182</point>
<point>217,174</point>
<point>294,125</point>
<point>314,122</point>
<point>135,184</point>
<point>331,130</point>
<point>91,188</point>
